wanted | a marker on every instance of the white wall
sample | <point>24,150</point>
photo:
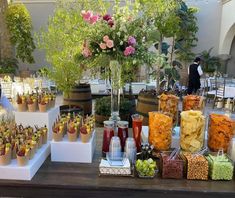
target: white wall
<point>209,18</point>
<point>227,27</point>
<point>40,10</point>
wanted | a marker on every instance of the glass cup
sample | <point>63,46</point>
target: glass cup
<point>137,121</point>
<point>130,150</point>
<point>115,148</point>
<point>122,132</point>
<point>107,135</point>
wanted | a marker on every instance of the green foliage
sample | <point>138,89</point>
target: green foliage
<point>8,65</point>
<point>19,24</point>
<point>64,39</point>
<point>186,38</point>
<point>209,63</point>
<point>102,106</point>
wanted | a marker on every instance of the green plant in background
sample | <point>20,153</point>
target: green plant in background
<point>63,39</point>
<point>8,65</point>
<point>19,24</point>
<point>102,106</point>
<point>163,15</point>
<point>209,63</point>
<point>186,38</point>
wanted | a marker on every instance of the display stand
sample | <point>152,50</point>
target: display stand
<point>38,118</point>
<point>175,143</point>
<point>66,151</point>
<point>13,171</point>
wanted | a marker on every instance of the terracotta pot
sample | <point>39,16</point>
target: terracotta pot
<point>32,107</point>
<point>72,137</point>
<point>5,159</point>
<point>84,137</point>
<point>57,137</point>
<point>22,160</point>
<point>42,108</point>
<point>22,107</point>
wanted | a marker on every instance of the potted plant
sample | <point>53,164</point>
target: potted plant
<point>102,109</point>
<point>8,67</point>
<point>210,64</point>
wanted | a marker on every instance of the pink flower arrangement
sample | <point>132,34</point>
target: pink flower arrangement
<point>103,46</point>
<point>129,50</point>
<point>86,52</point>
<point>89,17</point>
<point>109,43</point>
<point>131,41</point>
<point>105,38</point>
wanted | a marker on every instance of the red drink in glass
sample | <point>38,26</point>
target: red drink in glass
<point>107,135</point>
<point>122,132</point>
<point>137,128</point>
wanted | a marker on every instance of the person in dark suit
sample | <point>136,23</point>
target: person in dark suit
<point>194,72</point>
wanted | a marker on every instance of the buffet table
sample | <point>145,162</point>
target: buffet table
<point>77,179</point>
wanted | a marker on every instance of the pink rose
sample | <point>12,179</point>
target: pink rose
<point>87,15</point>
<point>109,43</point>
<point>103,46</point>
<point>105,38</point>
<point>94,19</point>
<point>129,50</point>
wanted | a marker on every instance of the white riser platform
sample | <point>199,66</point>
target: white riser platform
<point>66,151</point>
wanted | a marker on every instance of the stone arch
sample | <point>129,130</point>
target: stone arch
<point>227,42</point>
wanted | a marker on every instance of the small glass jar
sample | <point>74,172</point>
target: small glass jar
<point>107,135</point>
<point>122,132</point>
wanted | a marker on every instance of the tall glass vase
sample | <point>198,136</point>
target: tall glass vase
<point>115,90</point>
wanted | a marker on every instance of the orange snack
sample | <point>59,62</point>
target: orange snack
<point>160,130</point>
<point>169,104</point>
<point>193,102</point>
<point>221,131</point>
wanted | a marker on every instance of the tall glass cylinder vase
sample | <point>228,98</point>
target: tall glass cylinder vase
<point>115,90</point>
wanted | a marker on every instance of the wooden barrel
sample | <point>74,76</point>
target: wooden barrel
<point>146,103</point>
<point>80,95</point>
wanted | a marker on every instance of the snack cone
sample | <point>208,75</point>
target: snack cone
<point>32,152</point>
<point>40,142</point>
<point>57,137</point>
<point>5,159</point>
<point>72,136</point>
<point>44,138</point>
<point>42,107</point>
<point>13,153</point>
<point>32,107</point>
<point>84,137</point>
<point>22,160</point>
<point>22,107</point>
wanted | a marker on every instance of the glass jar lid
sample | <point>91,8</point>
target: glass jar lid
<point>108,123</point>
<point>122,124</point>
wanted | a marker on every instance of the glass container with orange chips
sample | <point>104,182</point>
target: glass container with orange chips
<point>192,131</point>
<point>160,130</point>
<point>220,133</point>
<point>169,103</point>
<point>193,102</point>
